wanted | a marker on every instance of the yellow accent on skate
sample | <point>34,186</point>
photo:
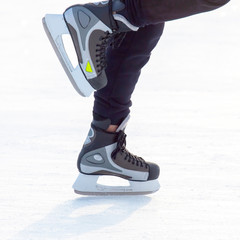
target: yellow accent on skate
<point>89,68</point>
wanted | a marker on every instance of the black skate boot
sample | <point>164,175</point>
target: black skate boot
<point>92,27</point>
<point>105,153</point>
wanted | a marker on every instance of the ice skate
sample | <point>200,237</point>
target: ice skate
<point>91,26</point>
<point>105,153</point>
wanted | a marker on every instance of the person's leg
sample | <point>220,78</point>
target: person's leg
<point>144,12</point>
<point>125,63</point>
<point>124,66</point>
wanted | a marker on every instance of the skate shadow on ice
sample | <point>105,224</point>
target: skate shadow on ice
<point>83,215</point>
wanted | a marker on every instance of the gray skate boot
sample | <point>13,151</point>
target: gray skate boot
<point>92,27</point>
<point>105,153</point>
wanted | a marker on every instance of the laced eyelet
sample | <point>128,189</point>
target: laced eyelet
<point>132,159</point>
<point>108,39</point>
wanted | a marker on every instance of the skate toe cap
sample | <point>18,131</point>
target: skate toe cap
<point>154,171</point>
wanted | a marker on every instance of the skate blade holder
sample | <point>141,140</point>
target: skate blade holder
<point>55,27</point>
<point>90,185</point>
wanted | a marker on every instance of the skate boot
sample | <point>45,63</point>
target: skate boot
<point>105,153</point>
<point>92,27</point>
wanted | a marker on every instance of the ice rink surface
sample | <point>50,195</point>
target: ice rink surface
<point>185,117</point>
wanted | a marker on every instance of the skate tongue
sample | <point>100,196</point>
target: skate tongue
<point>121,16</point>
<point>117,5</point>
<point>123,125</point>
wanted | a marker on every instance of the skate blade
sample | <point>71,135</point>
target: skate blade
<point>87,185</point>
<point>55,26</point>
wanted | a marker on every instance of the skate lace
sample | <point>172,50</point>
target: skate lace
<point>113,40</point>
<point>121,148</point>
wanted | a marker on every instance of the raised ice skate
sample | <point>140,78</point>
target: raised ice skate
<point>91,26</point>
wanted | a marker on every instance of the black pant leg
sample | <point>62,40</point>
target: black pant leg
<point>144,12</point>
<point>124,66</point>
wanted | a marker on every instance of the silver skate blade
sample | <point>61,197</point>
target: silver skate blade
<point>87,185</point>
<point>55,27</point>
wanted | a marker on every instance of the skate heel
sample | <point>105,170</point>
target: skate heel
<point>55,27</point>
<point>87,185</point>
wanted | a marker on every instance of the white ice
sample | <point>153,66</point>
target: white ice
<point>185,117</point>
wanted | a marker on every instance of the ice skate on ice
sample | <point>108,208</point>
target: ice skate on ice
<point>91,26</point>
<point>105,153</point>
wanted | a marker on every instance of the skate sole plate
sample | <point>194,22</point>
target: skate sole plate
<point>87,185</point>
